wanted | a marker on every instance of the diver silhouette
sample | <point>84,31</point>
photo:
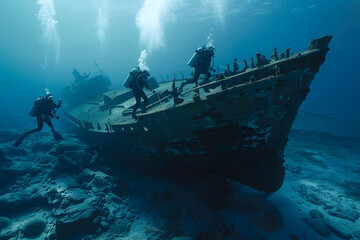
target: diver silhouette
<point>43,110</point>
<point>201,62</point>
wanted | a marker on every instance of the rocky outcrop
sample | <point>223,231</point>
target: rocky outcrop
<point>26,201</point>
<point>33,228</point>
<point>78,219</point>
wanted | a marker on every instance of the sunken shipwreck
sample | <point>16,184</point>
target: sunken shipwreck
<point>237,129</point>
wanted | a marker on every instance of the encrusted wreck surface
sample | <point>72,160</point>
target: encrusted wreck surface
<point>237,130</point>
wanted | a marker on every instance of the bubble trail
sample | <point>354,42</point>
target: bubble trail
<point>142,61</point>
<point>102,22</point>
<point>46,16</point>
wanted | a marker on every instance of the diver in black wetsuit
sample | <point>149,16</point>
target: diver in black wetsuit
<point>202,66</point>
<point>43,110</point>
<point>137,84</point>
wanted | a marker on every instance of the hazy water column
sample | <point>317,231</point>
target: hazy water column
<point>50,37</point>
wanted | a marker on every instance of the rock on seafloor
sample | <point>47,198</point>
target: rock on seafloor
<point>77,220</point>
<point>33,228</point>
<point>4,222</point>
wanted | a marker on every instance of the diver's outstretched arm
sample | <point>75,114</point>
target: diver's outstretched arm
<point>56,105</point>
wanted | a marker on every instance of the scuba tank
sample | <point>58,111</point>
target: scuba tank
<point>193,60</point>
<point>195,57</point>
<point>33,112</point>
<point>153,84</point>
<point>130,77</point>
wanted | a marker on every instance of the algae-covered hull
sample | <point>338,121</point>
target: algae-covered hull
<point>237,130</point>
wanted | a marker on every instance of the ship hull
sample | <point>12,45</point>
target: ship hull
<point>242,138</point>
<point>238,131</point>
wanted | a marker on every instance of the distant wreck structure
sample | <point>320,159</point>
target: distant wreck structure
<point>85,87</point>
<point>237,130</point>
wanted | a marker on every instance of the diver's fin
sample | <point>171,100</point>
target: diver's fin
<point>57,136</point>
<point>19,141</point>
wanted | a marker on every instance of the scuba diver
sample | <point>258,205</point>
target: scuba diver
<point>136,81</point>
<point>201,62</point>
<point>43,110</point>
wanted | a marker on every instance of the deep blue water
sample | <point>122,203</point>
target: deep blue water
<point>39,45</point>
<point>41,41</point>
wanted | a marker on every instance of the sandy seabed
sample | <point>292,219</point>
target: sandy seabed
<point>53,190</point>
